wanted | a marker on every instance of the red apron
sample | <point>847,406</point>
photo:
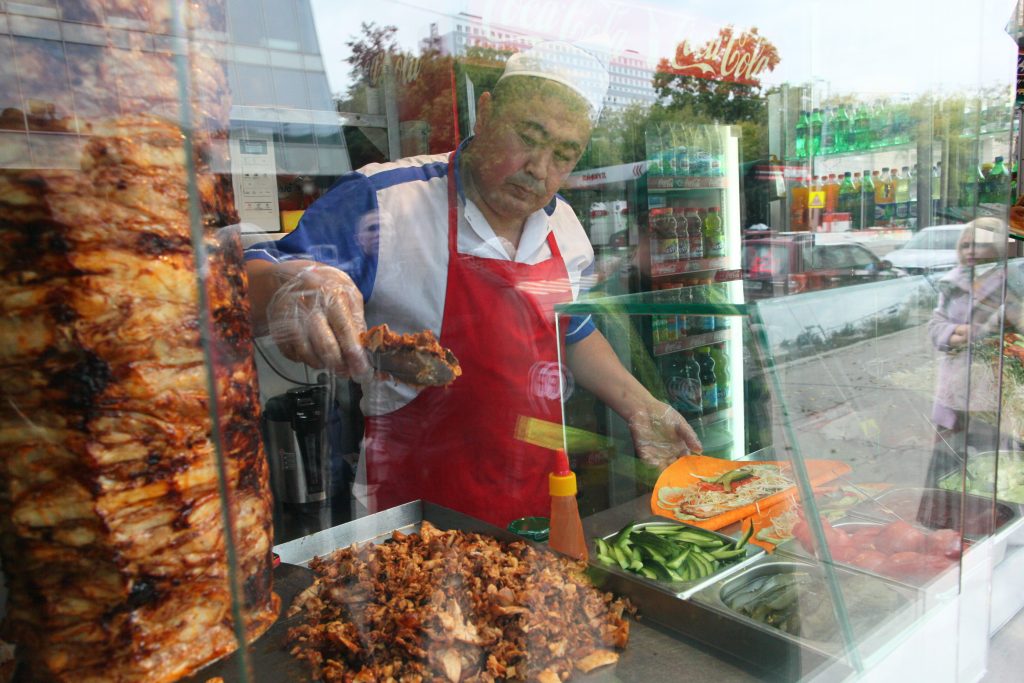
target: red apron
<point>456,445</point>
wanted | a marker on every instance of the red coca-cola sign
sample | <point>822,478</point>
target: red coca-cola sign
<point>731,56</point>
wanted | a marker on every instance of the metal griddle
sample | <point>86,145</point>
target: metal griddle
<point>674,639</point>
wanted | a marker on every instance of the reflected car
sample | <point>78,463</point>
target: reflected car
<point>790,264</point>
<point>931,250</point>
<point>606,219</point>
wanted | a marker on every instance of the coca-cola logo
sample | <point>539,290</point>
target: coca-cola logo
<point>739,58</point>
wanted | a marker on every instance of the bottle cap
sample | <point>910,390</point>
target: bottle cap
<point>562,482</point>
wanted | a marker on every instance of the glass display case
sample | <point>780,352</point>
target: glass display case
<point>300,302</point>
<point>873,540</point>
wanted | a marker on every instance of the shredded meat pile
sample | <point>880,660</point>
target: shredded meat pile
<point>454,606</point>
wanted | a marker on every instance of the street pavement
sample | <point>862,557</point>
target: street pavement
<point>867,404</point>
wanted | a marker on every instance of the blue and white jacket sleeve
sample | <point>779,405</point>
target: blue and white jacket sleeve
<point>340,229</point>
<point>580,326</point>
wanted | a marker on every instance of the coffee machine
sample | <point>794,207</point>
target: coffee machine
<point>295,435</point>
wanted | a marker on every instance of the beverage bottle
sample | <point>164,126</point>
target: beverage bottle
<point>868,210</point>
<point>708,380</point>
<point>714,234</point>
<point>843,130</point>
<point>828,131</point>
<point>798,206</point>
<point>849,199</point>
<point>695,234</point>
<point>717,152</point>
<point>565,523</point>
<point>691,401</point>
<point>717,294</point>
<point>831,193</point>
<point>700,323</point>
<point>884,198</point>
<point>652,140</point>
<point>682,236</point>
<point>936,187</point>
<point>814,214</point>
<point>862,128</point>
<point>901,196</point>
<point>802,125</point>
<point>723,375</point>
<point>681,152</point>
<point>814,131</point>
<point>665,242</point>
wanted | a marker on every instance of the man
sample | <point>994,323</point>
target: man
<point>476,246</point>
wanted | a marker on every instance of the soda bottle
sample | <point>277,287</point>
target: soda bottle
<point>814,214</point>
<point>884,212</point>
<point>714,234</point>
<point>681,153</point>
<point>798,205</point>
<point>664,240</point>
<point>652,139</point>
<point>831,193</point>
<point>699,323</point>
<point>691,403</point>
<point>843,125</point>
<point>901,196</point>
<point>723,375</point>
<point>849,199</point>
<point>717,152</point>
<point>708,380</point>
<point>828,131</point>
<point>867,198</point>
<point>682,237</point>
<point>802,125</point>
<point>814,130</point>
<point>862,128</point>
<point>695,234</point>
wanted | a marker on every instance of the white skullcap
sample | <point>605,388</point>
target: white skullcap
<point>561,62</point>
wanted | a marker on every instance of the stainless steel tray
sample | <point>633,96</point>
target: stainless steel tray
<point>681,589</point>
<point>870,632</point>
<point>942,586</point>
<point>940,509</point>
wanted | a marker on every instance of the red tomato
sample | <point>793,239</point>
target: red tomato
<point>869,559</point>
<point>944,543</point>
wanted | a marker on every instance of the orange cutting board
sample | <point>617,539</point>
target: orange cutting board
<point>684,472</point>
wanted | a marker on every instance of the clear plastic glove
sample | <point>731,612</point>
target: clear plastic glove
<point>661,435</point>
<point>316,316</point>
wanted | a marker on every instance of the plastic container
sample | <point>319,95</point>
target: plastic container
<point>566,526</point>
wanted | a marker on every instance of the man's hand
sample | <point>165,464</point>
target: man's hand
<point>316,317</point>
<point>661,435</point>
<point>959,336</point>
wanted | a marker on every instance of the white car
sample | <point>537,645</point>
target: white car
<point>606,219</point>
<point>931,250</point>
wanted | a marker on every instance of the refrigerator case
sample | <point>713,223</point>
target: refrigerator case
<point>690,172</point>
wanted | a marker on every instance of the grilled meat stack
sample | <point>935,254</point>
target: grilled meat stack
<point>112,524</point>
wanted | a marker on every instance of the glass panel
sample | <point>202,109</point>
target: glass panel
<point>290,89</point>
<point>12,107</point>
<point>282,24</point>
<point>42,68</point>
<point>245,22</point>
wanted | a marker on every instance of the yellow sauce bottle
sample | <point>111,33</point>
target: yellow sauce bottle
<point>566,526</point>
